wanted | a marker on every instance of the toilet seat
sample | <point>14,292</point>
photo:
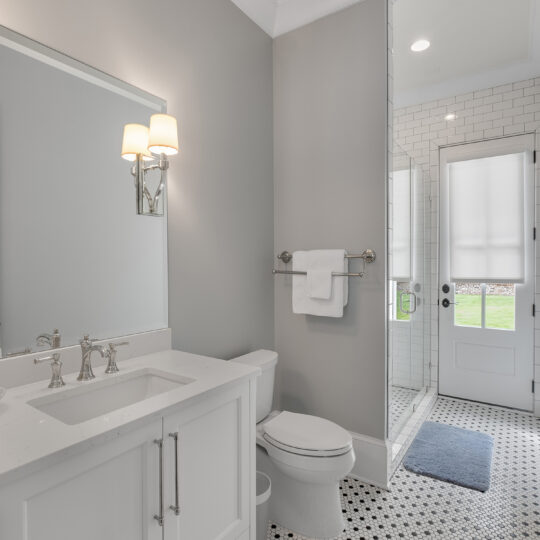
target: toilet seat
<point>306,435</point>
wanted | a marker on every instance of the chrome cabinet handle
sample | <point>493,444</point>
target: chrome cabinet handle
<point>159,517</point>
<point>176,507</point>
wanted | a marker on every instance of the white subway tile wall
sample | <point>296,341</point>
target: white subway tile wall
<point>407,341</point>
<point>420,130</point>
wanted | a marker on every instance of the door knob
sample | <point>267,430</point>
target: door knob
<point>445,303</point>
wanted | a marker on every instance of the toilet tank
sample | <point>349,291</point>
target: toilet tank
<point>266,360</point>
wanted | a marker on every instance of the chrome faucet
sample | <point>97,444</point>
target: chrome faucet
<point>56,366</point>
<point>53,340</point>
<point>87,348</point>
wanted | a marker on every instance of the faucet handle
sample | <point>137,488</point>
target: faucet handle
<point>86,340</point>
<point>112,346</point>
<point>53,358</point>
<point>111,356</point>
<point>56,366</point>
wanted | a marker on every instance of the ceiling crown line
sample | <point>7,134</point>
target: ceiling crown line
<point>277,17</point>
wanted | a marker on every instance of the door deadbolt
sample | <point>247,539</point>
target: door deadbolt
<point>445,288</point>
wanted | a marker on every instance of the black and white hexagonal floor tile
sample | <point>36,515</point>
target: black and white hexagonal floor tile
<point>422,507</point>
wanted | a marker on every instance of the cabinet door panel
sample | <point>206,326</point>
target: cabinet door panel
<point>109,492</point>
<point>101,503</point>
<point>213,467</point>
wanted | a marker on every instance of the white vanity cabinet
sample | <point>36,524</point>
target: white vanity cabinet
<point>114,489</point>
<point>108,492</point>
<point>215,456</point>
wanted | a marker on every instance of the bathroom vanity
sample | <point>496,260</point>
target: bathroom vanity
<point>165,449</point>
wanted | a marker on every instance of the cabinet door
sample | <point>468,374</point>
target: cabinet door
<point>215,460</point>
<point>109,492</point>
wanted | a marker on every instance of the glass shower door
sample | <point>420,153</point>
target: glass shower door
<point>406,309</point>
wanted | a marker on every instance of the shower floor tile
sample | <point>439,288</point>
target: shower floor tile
<point>421,507</point>
<point>401,399</point>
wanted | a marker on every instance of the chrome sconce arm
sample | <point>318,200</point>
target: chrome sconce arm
<point>141,144</point>
<point>139,171</point>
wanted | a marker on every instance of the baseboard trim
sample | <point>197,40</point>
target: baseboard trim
<point>372,460</point>
<point>368,481</point>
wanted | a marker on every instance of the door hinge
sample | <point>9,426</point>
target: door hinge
<point>534,310</point>
<point>532,386</point>
<point>534,233</point>
<point>534,156</point>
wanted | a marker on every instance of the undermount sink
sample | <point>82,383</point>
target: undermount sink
<point>97,398</point>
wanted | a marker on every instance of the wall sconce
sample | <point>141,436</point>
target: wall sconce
<point>138,145</point>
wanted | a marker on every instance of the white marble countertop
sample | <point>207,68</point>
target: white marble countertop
<point>31,440</point>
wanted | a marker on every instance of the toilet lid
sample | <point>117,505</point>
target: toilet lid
<point>305,432</point>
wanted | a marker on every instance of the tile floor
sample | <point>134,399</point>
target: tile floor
<point>400,402</point>
<point>421,507</point>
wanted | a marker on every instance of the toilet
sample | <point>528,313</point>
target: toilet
<point>305,457</point>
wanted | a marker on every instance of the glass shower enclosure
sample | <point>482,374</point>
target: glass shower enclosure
<point>408,305</point>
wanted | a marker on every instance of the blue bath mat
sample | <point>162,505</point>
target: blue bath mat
<point>452,454</point>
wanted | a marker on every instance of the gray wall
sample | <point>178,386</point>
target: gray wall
<point>329,188</point>
<point>214,68</point>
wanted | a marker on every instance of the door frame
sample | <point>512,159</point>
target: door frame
<point>493,147</point>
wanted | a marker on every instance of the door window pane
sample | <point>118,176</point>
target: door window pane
<point>500,306</point>
<point>403,300</point>
<point>468,307</point>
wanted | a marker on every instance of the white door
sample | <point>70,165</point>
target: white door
<point>486,286</point>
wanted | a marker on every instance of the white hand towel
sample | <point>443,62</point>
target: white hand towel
<point>335,261</point>
<point>319,283</point>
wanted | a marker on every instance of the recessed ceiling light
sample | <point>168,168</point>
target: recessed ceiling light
<point>450,116</point>
<point>420,45</point>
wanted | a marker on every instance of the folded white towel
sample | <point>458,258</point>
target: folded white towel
<point>332,260</point>
<point>319,283</point>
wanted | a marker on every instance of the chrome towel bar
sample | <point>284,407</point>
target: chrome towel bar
<point>367,255</point>
<point>299,273</point>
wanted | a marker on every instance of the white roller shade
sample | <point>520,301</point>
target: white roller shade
<point>487,220</point>
<point>401,225</point>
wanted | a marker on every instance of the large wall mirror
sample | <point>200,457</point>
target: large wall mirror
<point>74,253</point>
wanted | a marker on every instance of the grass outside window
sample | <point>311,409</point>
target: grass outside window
<point>500,310</point>
<point>400,316</point>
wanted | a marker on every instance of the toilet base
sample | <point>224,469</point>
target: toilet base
<point>311,510</point>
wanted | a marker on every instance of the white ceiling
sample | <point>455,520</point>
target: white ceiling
<point>474,44</point>
<point>277,17</point>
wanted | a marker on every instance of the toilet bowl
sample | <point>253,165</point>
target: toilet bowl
<point>305,456</point>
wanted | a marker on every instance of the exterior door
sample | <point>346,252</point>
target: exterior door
<point>486,288</point>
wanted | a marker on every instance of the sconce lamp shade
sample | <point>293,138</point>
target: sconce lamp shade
<point>163,135</point>
<point>135,142</point>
